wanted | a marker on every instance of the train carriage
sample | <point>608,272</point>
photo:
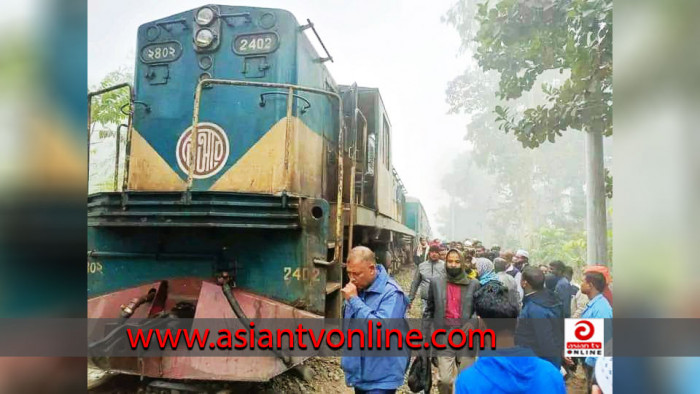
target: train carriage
<point>245,165</point>
<point>416,218</point>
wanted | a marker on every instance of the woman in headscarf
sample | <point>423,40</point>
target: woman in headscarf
<point>484,269</point>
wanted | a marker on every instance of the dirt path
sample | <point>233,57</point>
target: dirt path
<point>326,375</point>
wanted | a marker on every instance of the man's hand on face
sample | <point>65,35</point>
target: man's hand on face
<point>349,291</point>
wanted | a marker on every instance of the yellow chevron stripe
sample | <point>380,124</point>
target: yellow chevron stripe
<point>148,170</point>
<point>261,168</point>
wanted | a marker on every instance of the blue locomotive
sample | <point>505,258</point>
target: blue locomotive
<point>244,160</point>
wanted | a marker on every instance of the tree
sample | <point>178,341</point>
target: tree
<point>521,41</point>
<point>106,108</point>
<point>528,188</point>
<point>106,117</point>
<point>555,243</point>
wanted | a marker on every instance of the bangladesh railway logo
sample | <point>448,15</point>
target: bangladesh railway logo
<point>211,153</point>
<point>584,337</point>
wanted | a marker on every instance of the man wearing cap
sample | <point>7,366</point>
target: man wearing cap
<point>520,261</point>
<point>433,267</point>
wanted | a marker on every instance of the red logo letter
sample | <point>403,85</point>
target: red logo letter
<point>585,332</point>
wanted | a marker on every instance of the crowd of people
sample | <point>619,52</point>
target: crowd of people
<point>522,303</point>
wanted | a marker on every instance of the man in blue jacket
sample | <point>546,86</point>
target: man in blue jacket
<point>508,369</point>
<point>541,323</point>
<point>372,295</point>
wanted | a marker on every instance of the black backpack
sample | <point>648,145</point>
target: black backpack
<point>420,377</point>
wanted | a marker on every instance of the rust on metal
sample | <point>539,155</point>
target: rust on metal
<point>338,252</point>
<point>287,139</point>
<point>136,302</point>
<point>339,207</point>
<point>211,304</point>
<point>193,136</point>
<point>127,153</point>
<point>116,158</point>
<point>338,255</point>
<point>364,152</point>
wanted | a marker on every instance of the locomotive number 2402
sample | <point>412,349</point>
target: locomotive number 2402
<point>255,43</point>
<point>302,274</point>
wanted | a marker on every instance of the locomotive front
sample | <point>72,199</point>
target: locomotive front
<point>232,167</point>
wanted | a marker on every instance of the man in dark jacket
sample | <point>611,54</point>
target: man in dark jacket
<point>433,267</point>
<point>449,304</point>
<point>541,324</point>
<point>562,288</point>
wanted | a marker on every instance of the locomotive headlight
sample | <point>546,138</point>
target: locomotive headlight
<point>204,16</point>
<point>204,38</point>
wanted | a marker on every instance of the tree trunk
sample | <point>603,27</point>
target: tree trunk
<point>596,220</point>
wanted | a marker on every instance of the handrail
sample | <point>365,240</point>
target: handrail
<point>311,25</point>
<point>290,88</point>
<point>116,156</point>
<point>303,110</point>
<point>364,159</point>
<point>353,206</point>
<point>129,124</point>
<point>148,107</point>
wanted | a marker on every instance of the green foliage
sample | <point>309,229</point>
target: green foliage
<point>106,108</point>
<point>566,49</point>
<point>522,41</point>
<point>106,116</point>
<point>555,243</point>
<point>608,184</point>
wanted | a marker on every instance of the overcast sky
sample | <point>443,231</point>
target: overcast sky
<point>398,46</point>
